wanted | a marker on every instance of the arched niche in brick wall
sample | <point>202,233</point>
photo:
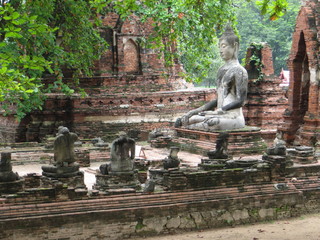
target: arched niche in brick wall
<point>301,76</point>
<point>131,57</point>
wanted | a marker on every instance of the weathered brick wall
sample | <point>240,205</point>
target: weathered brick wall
<point>132,88</point>
<point>104,115</point>
<point>266,99</point>
<point>303,95</point>
<point>147,215</point>
<point>8,126</point>
<point>266,103</point>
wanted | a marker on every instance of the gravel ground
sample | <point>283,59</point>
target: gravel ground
<point>305,227</point>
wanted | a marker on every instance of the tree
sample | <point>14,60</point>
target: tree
<point>253,27</point>
<point>44,37</point>
<point>41,37</point>
<point>194,25</point>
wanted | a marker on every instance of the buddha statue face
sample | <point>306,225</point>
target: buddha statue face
<point>229,45</point>
<point>227,51</point>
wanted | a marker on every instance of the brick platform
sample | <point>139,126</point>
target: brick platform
<point>241,142</point>
<point>122,217</point>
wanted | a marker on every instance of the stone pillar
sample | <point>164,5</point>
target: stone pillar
<point>10,182</point>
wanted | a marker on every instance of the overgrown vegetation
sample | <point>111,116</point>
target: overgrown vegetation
<point>256,28</point>
<point>46,37</point>
<point>255,58</point>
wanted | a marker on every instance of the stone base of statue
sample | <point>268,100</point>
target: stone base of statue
<point>208,164</point>
<point>12,187</point>
<point>303,155</point>
<point>67,173</point>
<point>241,141</point>
<point>117,182</point>
<point>157,174</point>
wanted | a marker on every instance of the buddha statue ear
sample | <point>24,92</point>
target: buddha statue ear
<point>236,50</point>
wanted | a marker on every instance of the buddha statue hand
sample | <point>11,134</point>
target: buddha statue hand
<point>185,118</point>
<point>218,111</point>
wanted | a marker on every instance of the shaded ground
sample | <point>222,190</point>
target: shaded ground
<point>302,228</point>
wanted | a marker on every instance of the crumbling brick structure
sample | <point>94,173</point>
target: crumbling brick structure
<point>302,117</point>
<point>131,90</point>
<point>266,99</point>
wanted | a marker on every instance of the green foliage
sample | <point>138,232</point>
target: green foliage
<point>253,27</point>
<point>19,70</point>
<point>256,58</point>
<point>46,37</point>
<point>192,27</point>
<point>274,8</point>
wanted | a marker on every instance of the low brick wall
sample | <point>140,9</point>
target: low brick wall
<point>126,216</point>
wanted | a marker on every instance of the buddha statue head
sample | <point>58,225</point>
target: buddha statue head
<point>229,45</point>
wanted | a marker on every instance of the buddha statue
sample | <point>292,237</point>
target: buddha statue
<point>225,112</point>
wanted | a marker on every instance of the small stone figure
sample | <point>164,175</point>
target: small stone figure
<point>219,157</point>
<point>221,151</point>
<point>64,147</point>
<point>6,173</point>
<point>279,146</point>
<point>232,84</point>
<point>149,186</point>
<point>122,154</point>
<point>104,169</point>
<point>172,161</point>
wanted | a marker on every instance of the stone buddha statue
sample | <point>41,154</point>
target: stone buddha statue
<point>225,112</point>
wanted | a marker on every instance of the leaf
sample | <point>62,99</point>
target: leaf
<point>19,21</point>
<point>7,17</point>
<point>15,15</point>
<point>13,35</point>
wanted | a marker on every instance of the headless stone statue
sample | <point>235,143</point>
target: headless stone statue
<point>64,146</point>
<point>172,161</point>
<point>221,151</point>
<point>64,159</point>
<point>6,173</point>
<point>119,174</point>
<point>122,154</point>
<point>225,112</point>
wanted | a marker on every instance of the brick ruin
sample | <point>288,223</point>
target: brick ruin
<point>301,118</point>
<point>129,92</point>
<point>266,100</point>
<point>132,90</point>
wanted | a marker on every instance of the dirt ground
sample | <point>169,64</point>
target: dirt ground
<point>305,227</point>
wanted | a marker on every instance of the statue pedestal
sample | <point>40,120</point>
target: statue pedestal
<point>12,187</point>
<point>303,155</point>
<point>157,175</point>
<point>69,175</point>
<point>117,182</point>
<point>242,141</point>
<point>208,164</point>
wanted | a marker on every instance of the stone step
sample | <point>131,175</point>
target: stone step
<point>130,202</point>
